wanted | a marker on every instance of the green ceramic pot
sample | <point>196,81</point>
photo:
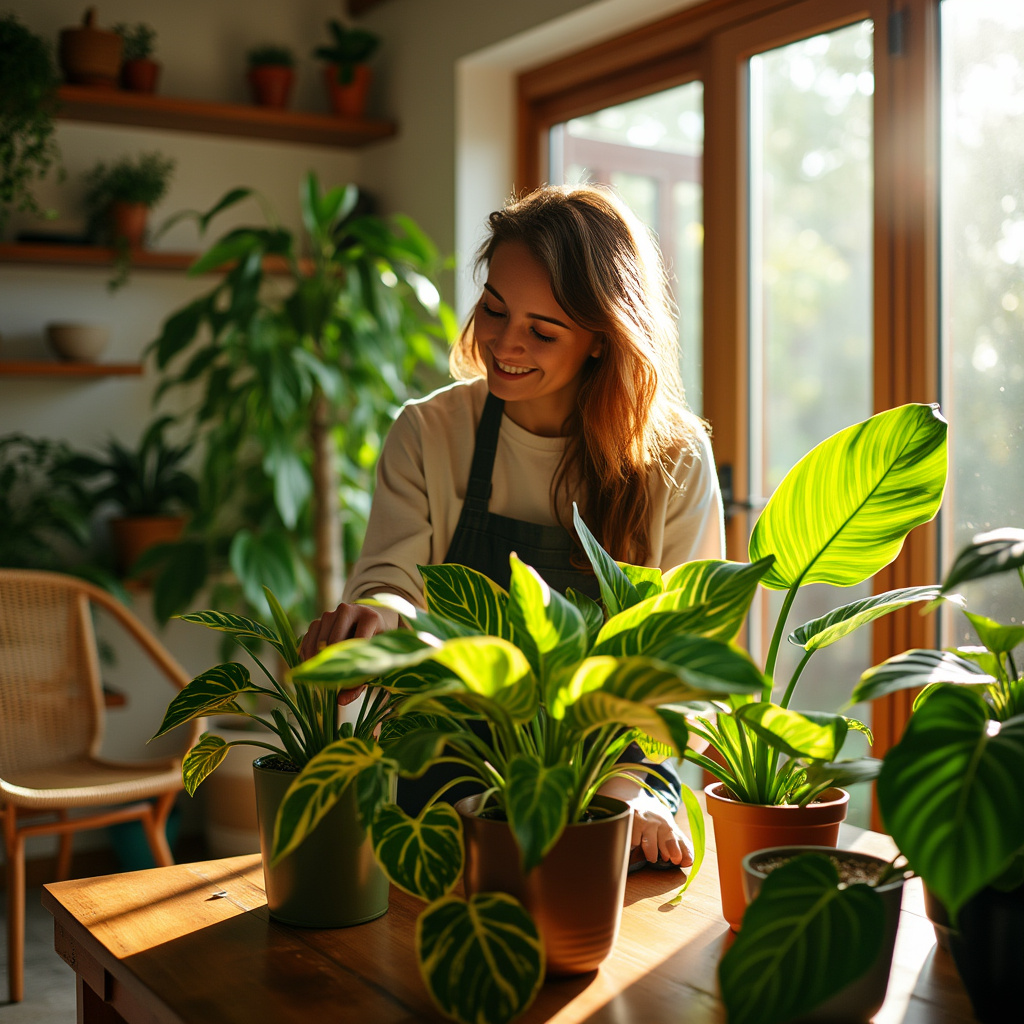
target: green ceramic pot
<point>332,879</point>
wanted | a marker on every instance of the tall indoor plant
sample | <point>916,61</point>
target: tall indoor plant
<point>299,373</point>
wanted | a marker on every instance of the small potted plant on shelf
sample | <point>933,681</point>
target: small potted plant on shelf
<point>271,75</point>
<point>139,71</point>
<point>28,103</point>
<point>347,74</point>
<point>149,487</point>
<point>564,688</point>
<point>119,196</point>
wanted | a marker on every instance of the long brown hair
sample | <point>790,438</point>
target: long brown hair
<point>606,273</point>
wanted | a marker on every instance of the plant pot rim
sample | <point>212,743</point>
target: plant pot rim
<point>831,798</point>
<point>750,865</point>
<point>467,806</point>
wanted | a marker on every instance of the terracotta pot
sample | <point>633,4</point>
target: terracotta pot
<point>132,536</point>
<point>743,828</point>
<point>331,880</point>
<point>348,100</point>
<point>89,55</point>
<point>140,75</point>
<point>128,222</point>
<point>861,999</point>
<point>575,895</point>
<point>271,85</point>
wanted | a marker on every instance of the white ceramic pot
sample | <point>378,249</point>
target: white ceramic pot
<point>78,343</point>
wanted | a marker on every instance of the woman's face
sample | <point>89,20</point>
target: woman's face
<point>533,351</point>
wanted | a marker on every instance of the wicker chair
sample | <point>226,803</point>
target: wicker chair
<point>51,728</point>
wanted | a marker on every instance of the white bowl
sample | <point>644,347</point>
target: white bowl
<point>78,343</point>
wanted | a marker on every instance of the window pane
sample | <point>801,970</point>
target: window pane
<point>650,151</point>
<point>810,301</point>
<point>982,260</point>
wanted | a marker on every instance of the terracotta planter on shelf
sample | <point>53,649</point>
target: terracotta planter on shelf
<point>744,828</point>
<point>128,222</point>
<point>575,895</point>
<point>270,85</point>
<point>140,75</point>
<point>132,536</point>
<point>860,1000</point>
<point>331,880</point>
<point>348,100</point>
<point>89,55</point>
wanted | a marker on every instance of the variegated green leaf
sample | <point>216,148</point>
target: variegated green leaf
<point>917,668</point>
<point>214,690</point>
<point>802,940</point>
<point>647,579</point>
<point>821,774</point>
<point>482,960</point>
<point>467,597</point>
<point>950,794</point>
<point>422,855</point>
<point>235,625</point>
<point>289,646</point>
<point>495,669</point>
<point>843,511</point>
<point>589,609</point>
<point>316,790</point>
<point>414,749</point>
<point>351,663</point>
<point>816,735</point>
<point>597,709</point>
<point>202,759</point>
<point>999,639</point>
<point>556,630</point>
<point>617,591</point>
<point>422,622</point>
<point>537,802</point>
<point>988,554</point>
<point>827,629</point>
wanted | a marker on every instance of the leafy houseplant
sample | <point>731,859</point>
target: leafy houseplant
<point>148,485</point>
<point>28,102</point>
<point>139,72</point>
<point>299,376</point>
<point>347,75</point>
<point>119,195</point>
<point>271,75</point>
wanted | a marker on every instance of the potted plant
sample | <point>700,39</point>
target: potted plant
<point>271,75</point>
<point>150,488</point>
<point>564,687</point>
<point>347,75</point>
<point>839,515</point>
<point>119,196</point>
<point>28,103</point>
<point>300,374</point>
<point>139,72</point>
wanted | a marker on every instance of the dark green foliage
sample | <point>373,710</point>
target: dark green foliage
<point>350,46</point>
<point>28,95</point>
<point>139,40</point>
<point>271,56</point>
<point>140,179</point>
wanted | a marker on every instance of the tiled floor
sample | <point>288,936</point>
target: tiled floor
<point>49,982</point>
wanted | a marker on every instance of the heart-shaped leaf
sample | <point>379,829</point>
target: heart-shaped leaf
<point>202,759</point>
<point>211,691</point>
<point>537,802</point>
<point>423,855</point>
<point>468,597</point>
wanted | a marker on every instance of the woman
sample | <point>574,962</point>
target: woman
<point>568,390</point>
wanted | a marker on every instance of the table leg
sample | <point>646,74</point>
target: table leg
<point>91,1007</point>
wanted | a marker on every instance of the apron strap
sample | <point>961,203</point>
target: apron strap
<point>478,491</point>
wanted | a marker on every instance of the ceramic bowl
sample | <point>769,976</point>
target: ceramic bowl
<point>78,343</point>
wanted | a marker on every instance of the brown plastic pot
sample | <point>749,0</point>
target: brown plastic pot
<point>744,828</point>
<point>575,895</point>
<point>271,85</point>
<point>140,75</point>
<point>89,55</point>
<point>331,880</point>
<point>348,100</point>
<point>862,998</point>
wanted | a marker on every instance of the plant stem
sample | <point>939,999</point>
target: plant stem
<point>780,626</point>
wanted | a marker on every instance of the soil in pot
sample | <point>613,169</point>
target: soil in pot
<point>743,828</point>
<point>575,895</point>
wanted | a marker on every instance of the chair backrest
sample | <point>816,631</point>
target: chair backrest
<point>50,690</point>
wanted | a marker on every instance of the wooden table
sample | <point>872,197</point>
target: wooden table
<point>194,943</point>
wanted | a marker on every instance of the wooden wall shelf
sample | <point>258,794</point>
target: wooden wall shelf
<point>51,368</point>
<point>55,255</point>
<point>115,106</point>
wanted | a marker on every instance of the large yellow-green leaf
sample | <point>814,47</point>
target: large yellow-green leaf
<point>537,802</point>
<point>951,796</point>
<point>827,629</point>
<point>235,625</point>
<point>316,790</point>
<point>422,855</point>
<point>467,597</point>
<point>202,759</point>
<point>843,511</point>
<point>422,622</point>
<point>918,668</point>
<point>617,590</point>
<point>802,940</point>
<point>495,669</point>
<point>710,664</point>
<point>212,691</point>
<point>482,960</point>
<point>351,663</point>
<point>988,554</point>
<point>556,630</point>
<point>817,735</point>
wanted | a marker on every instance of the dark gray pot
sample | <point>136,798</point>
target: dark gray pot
<point>332,879</point>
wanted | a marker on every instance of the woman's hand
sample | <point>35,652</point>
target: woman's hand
<point>657,834</point>
<point>344,623</point>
